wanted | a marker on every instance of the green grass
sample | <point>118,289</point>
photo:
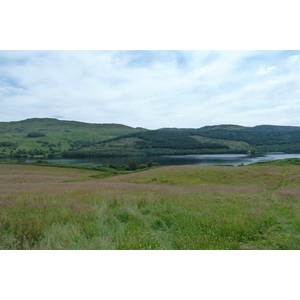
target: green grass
<point>278,162</point>
<point>264,177</point>
<point>184,208</point>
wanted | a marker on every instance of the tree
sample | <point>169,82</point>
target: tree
<point>132,164</point>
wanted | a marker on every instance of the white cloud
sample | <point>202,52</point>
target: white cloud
<point>294,58</point>
<point>149,89</point>
<point>264,71</point>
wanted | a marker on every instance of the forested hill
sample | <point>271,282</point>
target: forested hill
<point>208,139</point>
<point>51,137</point>
<point>262,137</point>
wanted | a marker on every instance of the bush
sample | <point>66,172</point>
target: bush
<point>143,166</point>
<point>35,134</point>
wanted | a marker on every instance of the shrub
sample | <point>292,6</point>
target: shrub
<point>143,166</point>
<point>35,134</point>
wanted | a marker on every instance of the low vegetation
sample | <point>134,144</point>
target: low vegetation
<point>279,162</point>
<point>182,207</point>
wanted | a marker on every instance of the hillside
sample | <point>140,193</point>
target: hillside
<point>52,137</point>
<point>262,138</point>
<point>48,136</point>
<point>159,142</point>
<point>208,139</point>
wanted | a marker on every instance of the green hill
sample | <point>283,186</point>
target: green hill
<point>205,140</point>
<point>262,138</point>
<point>48,136</point>
<point>51,137</point>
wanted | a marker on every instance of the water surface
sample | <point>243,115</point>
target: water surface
<point>195,159</point>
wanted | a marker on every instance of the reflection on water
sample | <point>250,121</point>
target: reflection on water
<point>229,159</point>
<point>196,159</point>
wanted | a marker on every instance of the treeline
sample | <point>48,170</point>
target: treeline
<point>133,165</point>
<point>81,144</point>
<point>141,152</point>
<point>256,136</point>
<point>9,144</point>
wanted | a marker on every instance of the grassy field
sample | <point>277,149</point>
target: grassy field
<point>181,207</point>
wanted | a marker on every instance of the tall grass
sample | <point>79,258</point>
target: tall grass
<point>106,214</point>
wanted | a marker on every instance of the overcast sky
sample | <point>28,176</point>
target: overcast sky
<point>152,89</point>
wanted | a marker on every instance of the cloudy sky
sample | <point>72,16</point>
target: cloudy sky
<point>152,89</point>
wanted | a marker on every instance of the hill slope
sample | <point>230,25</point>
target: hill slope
<point>19,137</point>
<point>208,139</point>
<point>160,142</point>
<point>52,137</point>
<point>263,137</point>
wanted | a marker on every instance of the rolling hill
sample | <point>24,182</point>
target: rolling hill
<point>51,137</point>
<point>209,139</point>
<point>47,136</point>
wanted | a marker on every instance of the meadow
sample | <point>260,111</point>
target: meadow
<point>176,207</point>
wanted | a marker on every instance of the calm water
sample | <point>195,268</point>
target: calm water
<point>197,159</point>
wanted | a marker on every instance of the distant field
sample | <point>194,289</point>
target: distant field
<point>182,207</point>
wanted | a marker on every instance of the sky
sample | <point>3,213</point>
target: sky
<point>152,89</point>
